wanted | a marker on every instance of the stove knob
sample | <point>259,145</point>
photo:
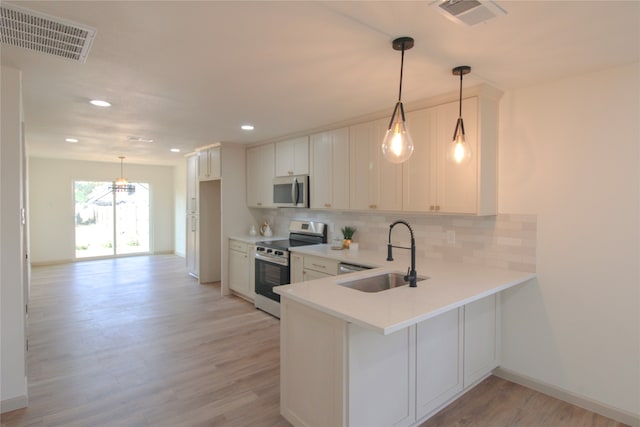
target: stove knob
<point>269,251</point>
<point>279,253</point>
<point>260,249</point>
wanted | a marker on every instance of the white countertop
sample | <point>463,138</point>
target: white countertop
<point>449,286</point>
<point>258,238</point>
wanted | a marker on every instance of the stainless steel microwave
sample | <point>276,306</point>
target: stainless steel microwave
<point>291,191</point>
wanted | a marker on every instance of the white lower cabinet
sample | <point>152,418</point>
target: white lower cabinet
<point>335,373</point>
<point>380,377</point>
<point>318,268</point>
<point>312,345</point>
<point>296,268</point>
<point>241,268</point>
<point>438,361</point>
<point>481,338</point>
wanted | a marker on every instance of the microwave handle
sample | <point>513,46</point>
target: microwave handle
<point>294,191</point>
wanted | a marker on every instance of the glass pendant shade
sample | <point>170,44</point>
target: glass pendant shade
<point>121,184</point>
<point>397,145</point>
<point>459,150</point>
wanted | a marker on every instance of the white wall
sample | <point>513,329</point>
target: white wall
<point>569,153</point>
<point>13,380</point>
<point>51,201</point>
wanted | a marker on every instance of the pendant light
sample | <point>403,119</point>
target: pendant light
<point>121,184</point>
<point>397,145</point>
<point>459,150</point>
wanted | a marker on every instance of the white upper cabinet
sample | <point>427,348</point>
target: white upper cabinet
<point>431,183</point>
<point>209,164</point>
<point>374,182</point>
<point>260,174</point>
<point>292,157</point>
<point>329,174</point>
<point>418,192</point>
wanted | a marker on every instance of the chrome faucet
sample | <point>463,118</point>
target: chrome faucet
<point>411,271</point>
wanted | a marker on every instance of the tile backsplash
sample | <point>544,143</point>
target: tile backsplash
<point>501,241</point>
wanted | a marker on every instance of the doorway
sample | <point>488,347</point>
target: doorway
<point>108,222</point>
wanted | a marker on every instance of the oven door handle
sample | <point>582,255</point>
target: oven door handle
<point>270,260</point>
<point>294,191</point>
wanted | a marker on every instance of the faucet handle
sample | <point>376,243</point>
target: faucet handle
<point>407,278</point>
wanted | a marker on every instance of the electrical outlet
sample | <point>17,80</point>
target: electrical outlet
<point>451,237</point>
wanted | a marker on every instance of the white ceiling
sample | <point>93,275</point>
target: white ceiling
<point>187,74</point>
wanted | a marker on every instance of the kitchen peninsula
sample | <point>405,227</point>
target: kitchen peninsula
<point>395,357</point>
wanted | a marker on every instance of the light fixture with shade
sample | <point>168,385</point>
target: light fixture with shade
<point>397,145</point>
<point>121,184</point>
<point>459,150</point>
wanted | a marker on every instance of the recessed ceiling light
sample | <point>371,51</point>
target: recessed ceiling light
<point>175,150</point>
<point>100,103</point>
<point>247,127</point>
<point>73,140</point>
<point>138,139</point>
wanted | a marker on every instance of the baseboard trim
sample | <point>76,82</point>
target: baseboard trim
<point>14,403</point>
<point>569,397</point>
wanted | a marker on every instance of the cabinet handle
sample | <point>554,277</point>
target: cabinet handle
<point>319,266</point>
<point>373,206</point>
<point>431,208</point>
<point>327,205</point>
<point>290,173</point>
<point>259,203</point>
<point>437,207</point>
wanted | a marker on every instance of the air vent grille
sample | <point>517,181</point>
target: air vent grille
<point>469,12</point>
<point>42,33</point>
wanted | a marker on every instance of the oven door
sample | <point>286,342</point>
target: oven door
<point>268,275</point>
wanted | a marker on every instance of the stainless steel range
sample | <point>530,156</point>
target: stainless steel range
<point>272,261</point>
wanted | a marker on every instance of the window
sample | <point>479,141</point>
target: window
<point>110,222</point>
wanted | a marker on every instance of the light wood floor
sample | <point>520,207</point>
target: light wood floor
<point>137,342</point>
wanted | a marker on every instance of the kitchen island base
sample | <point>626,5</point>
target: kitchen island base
<point>337,373</point>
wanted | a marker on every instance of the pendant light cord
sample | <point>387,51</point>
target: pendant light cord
<point>460,103</point>
<point>401,68</point>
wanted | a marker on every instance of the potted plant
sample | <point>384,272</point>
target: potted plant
<point>347,233</point>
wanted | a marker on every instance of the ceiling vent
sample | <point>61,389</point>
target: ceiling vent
<point>469,12</point>
<point>36,31</point>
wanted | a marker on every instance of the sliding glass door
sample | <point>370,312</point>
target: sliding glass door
<point>109,222</point>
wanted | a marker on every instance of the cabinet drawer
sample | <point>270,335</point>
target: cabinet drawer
<point>238,246</point>
<point>323,265</point>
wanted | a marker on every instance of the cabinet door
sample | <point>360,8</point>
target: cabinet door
<point>374,183</point>
<point>457,184</point>
<point>209,164</point>
<point>203,165</point>
<point>260,174</point>
<point>297,267</point>
<point>192,184</point>
<point>312,346</point>
<point>481,332</point>
<point>418,187</point>
<point>381,382</point>
<point>438,360</point>
<point>239,268</point>
<point>292,157</point>
<point>192,248</point>
<point>330,169</point>
<point>214,163</point>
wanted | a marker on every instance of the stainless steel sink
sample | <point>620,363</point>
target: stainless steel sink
<point>378,283</point>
